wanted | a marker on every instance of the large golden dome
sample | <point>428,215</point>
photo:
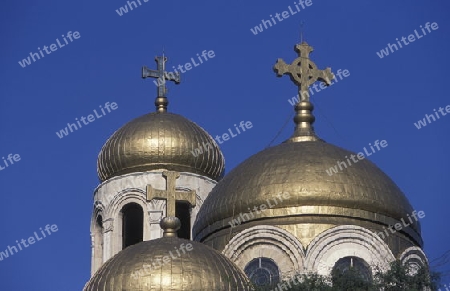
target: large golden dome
<point>160,140</point>
<point>197,268</point>
<point>291,186</point>
<point>362,191</point>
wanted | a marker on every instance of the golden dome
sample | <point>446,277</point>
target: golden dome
<point>362,191</point>
<point>160,140</point>
<point>288,185</point>
<point>197,268</point>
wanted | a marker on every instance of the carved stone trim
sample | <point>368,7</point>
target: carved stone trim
<point>154,216</point>
<point>108,225</point>
<point>343,241</point>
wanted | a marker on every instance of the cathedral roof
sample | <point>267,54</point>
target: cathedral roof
<point>136,268</point>
<point>298,168</point>
<point>169,263</point>
<point>361,191</point>
<point>160,140</point>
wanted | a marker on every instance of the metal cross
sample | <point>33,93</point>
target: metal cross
<point>161,75</point>
<point>170,194</point>
<point>303,72</point>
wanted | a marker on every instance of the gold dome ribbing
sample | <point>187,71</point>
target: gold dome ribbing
<point>360,194</point>
<point>160,140</point>
<point>361,191</point>
<point>200,269</point>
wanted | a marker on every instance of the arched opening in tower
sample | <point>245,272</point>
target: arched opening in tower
<point>99,230</point>
<point>98,243</point>
<point>353,268</point>
<point>183,212</point>
<point>263,272</point>
<point>132,224</point>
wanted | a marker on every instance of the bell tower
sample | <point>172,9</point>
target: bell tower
<point>145,165</point>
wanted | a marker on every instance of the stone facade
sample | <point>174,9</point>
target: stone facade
<point>322,253</point>
<point>112,195</point>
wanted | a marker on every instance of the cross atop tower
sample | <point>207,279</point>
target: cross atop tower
<point>303,72</point>
<point>170,194</point>
<point>162,76</point>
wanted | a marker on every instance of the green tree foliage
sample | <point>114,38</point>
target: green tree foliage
<point>398,278</point>
<point>350,279</point>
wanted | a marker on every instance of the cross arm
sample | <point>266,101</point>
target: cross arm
<point>171,76</point>
<point>155,193</point>
<point>146,72</point>
<point>325,76</point>
<point>189,197</point>
<point>281,68</point>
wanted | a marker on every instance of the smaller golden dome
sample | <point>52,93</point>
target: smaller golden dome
<point>169,263</point>
<point>160,140</point>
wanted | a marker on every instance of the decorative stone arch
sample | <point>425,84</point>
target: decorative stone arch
<point>158,208</point>
<point>270,242</point>
<point>415,258</point>
<point>156,211</point>
<point>347,241</point>
<point>97,213</point>
<point>121,198</point>
<point>97,235</point>
<point>114,217</point>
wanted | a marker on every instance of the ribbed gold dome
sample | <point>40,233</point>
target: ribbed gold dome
<point>160,140</point>
<point>362,191</point>
<point>199,268</point>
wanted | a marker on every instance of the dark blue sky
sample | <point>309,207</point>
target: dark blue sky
<point>54,180</point>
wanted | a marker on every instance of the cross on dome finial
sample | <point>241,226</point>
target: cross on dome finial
<point>303,72</point>
<point>170,224</point>
<point>162,76</point>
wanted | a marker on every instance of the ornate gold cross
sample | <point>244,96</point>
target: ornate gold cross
<point>170,194</point>
<point>303,72</point>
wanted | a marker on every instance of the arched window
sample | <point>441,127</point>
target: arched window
<point>99,234</point>
<point>262,272</point>
<point>100,221</point>
<point>183,212</point>
<point>98,243</point>
<point>352,267</point>
<point>132,224</point>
